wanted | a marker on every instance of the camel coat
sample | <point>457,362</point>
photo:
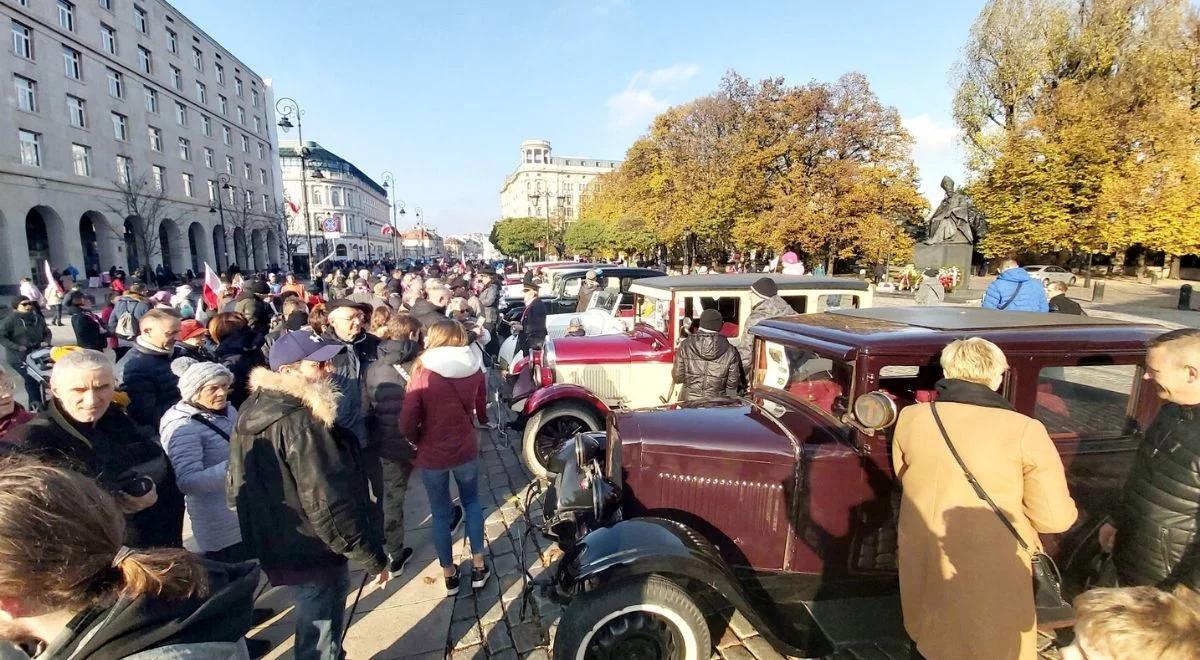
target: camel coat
<point>965,585</point>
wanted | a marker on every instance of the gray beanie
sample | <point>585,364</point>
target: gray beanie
<point>195,374</point>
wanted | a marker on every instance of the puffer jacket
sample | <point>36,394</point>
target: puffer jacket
<point>21,333</point>
<point>145,375</point>
<point>297,480</point>
<point>200,457</point>
<point>1015,291</point>
<point>708,367</point>
<point>1158,522</point>
<point>443,395</point>
<point>241,351</point>
<point>349,372</point>
<point>387,379</point>
<point>769,308</point>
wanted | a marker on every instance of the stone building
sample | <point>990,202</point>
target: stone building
<point>111,102</point>
<point>546,186</point>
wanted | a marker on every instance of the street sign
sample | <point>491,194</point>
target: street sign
<point>332,235</point>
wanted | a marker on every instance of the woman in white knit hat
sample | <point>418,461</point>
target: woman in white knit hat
<point>195,434</point>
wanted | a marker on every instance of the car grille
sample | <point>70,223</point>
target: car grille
<point>603,381</point>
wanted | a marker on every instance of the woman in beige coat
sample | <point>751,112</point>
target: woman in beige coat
<point>965,584</point>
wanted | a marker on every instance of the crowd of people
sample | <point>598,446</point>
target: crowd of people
<point>283,422</point>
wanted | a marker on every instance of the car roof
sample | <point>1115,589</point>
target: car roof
<point>744,280</point>
<point>926,330</point>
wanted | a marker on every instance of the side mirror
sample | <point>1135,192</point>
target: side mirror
<point>875,410</point>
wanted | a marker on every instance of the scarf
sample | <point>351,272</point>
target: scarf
<point>141,341</point>
<point>952,390</point>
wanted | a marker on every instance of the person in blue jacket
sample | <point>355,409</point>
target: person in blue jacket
<point>1015,291</point>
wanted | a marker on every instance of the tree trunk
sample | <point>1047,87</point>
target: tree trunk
<point>1172,266</point>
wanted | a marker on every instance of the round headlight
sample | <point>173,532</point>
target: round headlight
<point>548,354</point>
<point>875,410</point>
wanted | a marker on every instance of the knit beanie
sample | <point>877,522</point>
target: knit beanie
<point>711,320</point>
<point>195,374</point>
<point>764,287</point>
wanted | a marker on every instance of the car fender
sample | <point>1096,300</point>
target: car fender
<point>563,391</point>
<point>658,546</point>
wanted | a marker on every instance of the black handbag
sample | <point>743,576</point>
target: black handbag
<point>1047,581</point>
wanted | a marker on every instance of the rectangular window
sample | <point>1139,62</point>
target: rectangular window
<point>22,36</point>
<point>160,178</point>
<point>241,115</point>
<point>212,191</point>
<point>81,159</point>
<point>262,150</point>
<point>257,124</point>
<point>66,15</point>
<point>139,19</point>
<point>180,114</point>
<point>123,170</point>
<point>237,86</point>
<point>108,39</point>
<point>247,171</point>
<point>185,149</point>
<point>206,124</point>
<point>152,100</point>
<point>172,41</point>
<point>254,95</point>
<point>26,93</point>
<point>155,138</point>
<point>31,148</point>
<point>245,144</point>
<point>265,202</point>
<point>248,199</point>
<point>106,4</point>
<point>116,84</point>
<point>188,191</point>
<point>197,59</point>
<point>72,63</point>
<point>262,176</point>
<point>77,111</point>
<point>229,165</point>
<point>120,126</point>
<point>208,158</point>
<point>223,104</point>
<point>176,78</point>
<point>227,136</point>
<point>1087,402</point>
<point>220,74</point>
<point>201,92</point>
<point>335,196</point>
<point>144,59</point>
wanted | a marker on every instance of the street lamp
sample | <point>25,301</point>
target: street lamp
<point>389,183</point>
<point>539,192</point>
<point>420,232</point>
<point>288,107</point>
<point>223,184</point>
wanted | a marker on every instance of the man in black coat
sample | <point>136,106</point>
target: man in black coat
<point>297,481</point>
<point>1059,302</point>
<point>145,371</point>
<point>89,330</point>
<point>706,363</point>
<point>1155,532</point>
<point>531,330</point>
<point>81,430</point>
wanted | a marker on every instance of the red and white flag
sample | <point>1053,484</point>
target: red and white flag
<point>212,287</point>
<point>387,230</point>
<point>292,207</point>
<point>50,278</point>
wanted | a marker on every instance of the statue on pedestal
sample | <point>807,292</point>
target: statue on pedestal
<point>956,220</point>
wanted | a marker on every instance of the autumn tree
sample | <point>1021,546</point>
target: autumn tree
<point>524,237</point>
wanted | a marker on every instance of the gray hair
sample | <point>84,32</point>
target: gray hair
<point>82,360</point>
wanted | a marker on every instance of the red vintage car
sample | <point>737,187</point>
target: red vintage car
<point>782,504</point>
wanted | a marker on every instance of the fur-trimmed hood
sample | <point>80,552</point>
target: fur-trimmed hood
<point>452,361</point>
<point>321,399</point>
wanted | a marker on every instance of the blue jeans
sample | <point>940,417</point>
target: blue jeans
<point>437,485</point>
<point>319,616</point>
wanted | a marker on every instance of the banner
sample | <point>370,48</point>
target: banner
<point>212,287</point>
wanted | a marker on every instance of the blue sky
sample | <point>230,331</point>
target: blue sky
<point>442,93</point>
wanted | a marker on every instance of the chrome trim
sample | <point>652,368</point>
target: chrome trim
<point>548,356</point>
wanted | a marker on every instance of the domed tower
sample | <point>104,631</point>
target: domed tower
<point>535,151</point>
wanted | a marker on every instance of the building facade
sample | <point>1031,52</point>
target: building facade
<point>471,245</point>
<point>121,123</point>
<point>348,211</point>
<point>421,243</point>
<point>547,186</point>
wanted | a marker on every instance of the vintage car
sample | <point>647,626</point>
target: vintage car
<point>574,381</point>
<point>783,504</point>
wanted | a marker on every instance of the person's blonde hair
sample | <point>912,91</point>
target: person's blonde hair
<point>974,359</point>
<point>60,535</point>
<point>1139,622</point>
<point>379,322</point>
<point>446,333</point>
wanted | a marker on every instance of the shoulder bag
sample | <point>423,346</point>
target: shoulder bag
<point>216,429</point>
<point>1047,581</point>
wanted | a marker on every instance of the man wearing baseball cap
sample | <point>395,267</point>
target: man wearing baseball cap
<point>300,489</point>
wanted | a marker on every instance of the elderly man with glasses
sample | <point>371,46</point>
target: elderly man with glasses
<point>21,333</point>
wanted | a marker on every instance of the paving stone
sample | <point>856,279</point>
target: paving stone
<point>737,653</point>
<point>728,638</point>
<point>538,654</point>
<point>505,564</point>
<point>507,654</point>
<point>501,545</point>
<point>497,639</point>
<point>527,637</point>
<point>478,652</point>
<point>492,613</point>
<point>465,633</point>
<point>741,626</point>
<point>761,648</point>
<point>464,609</point>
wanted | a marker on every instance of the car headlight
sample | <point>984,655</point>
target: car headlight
<point>548,354</point>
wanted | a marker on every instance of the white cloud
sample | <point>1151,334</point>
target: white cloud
<point>929,136</point>
<point>642,97</point>
<point>937,153</point>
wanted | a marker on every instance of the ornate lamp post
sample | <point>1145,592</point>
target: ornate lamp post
<point>222,184</point>
<point>389,182</point>
<point>287,107</point>
<point>421,231</point>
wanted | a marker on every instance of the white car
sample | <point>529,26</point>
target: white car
<point>1049,274</point>
<point>600,318</point>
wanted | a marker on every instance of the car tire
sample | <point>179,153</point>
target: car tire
<point>536,450</point>
<point>647,617</point>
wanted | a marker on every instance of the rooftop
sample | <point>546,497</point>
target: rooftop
<point>322,158</point>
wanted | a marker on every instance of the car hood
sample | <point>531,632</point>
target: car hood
<point>732,427</point>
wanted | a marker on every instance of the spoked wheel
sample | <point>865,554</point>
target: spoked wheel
<point>647,619</point>
<point>549,428</point>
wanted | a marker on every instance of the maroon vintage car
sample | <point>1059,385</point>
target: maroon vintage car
<point>783,504</point>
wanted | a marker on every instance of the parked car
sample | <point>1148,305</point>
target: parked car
<point>560,286</point>
<point>575,381</point>
<point>1051,274</point>
<point>783,504</point>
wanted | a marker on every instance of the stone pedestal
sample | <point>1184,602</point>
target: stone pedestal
<point>944,255</point>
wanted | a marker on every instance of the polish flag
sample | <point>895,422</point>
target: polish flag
<point>50,279</point>
<point>212,287</point>
<point>292,207</point>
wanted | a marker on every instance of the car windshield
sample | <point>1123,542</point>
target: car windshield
<point>655,312</point>
<point>805,376</point>
<point>1032,269</point>
<point>604,299</point>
